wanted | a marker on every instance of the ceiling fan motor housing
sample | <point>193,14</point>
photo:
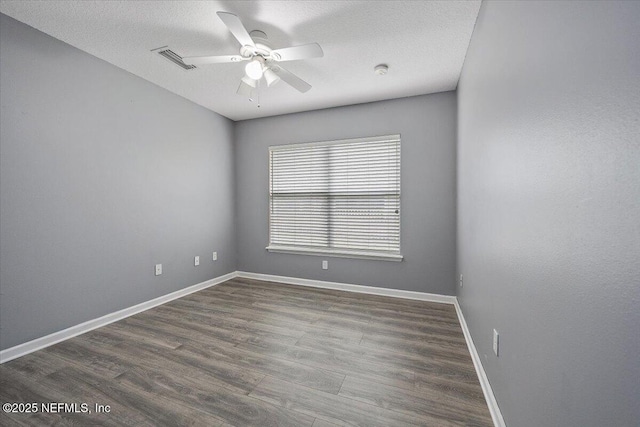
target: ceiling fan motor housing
<point>262,47</point>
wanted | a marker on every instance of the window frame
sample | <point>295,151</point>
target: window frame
<point>337,252</point>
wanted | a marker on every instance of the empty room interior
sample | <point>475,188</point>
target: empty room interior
<point>320,213</point>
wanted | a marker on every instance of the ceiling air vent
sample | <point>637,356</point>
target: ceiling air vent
<point>167,53</point>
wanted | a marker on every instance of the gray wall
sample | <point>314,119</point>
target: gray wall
<point>427,127</point>
<point>549,208</point>
<point>103,175</point>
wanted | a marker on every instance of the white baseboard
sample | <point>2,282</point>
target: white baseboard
<point>494,409</point>
<point>422,296</point>
<point>56,337</point>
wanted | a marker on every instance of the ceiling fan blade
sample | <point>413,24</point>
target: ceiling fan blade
<point>305,51</point>
<point>198,60</point>
<point>291,79</point>
<point>236,27</point>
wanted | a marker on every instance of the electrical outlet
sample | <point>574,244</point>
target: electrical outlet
<point>158,269</point>
<point>496,341</point>
<point>325,264</point>
<point>461,280</point>
<point>215,256</point>
<point>196,261</point>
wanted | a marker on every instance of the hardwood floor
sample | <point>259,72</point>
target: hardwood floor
<point>254,353</point>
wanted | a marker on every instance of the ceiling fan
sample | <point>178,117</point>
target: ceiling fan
<point>263,61</point>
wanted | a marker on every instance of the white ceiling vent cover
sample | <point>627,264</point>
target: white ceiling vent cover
<point>167,53</point>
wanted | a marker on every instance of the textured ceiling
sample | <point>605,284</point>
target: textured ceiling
<point>423,42</point>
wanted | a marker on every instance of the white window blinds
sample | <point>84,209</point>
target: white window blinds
<point>339,197</point>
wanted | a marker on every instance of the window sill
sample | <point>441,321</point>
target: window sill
<point>336,253</point>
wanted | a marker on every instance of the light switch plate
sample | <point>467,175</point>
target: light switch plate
<point>496,341</point>
<point>196,261</point>
<point>158,269</point>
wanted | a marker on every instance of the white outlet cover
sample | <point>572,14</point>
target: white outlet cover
<point>196,261</point>
<point>215,256</point>
<point>325,265</point>
<point>496,341</point>
<point>461,280</point>
<point>158,269</point>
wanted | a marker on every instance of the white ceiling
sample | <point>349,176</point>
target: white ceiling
<point>423,42</point>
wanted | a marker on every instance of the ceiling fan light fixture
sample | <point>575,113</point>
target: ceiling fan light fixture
<point>271,77</point>
<point>254,69</point>
<point>251,82</point>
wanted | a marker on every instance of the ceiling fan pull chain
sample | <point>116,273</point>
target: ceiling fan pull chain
<point>258,93</point>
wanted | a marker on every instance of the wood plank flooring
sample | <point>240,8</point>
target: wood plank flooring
<point>254,353</point>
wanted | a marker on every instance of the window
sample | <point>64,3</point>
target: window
<point>337,198</point>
